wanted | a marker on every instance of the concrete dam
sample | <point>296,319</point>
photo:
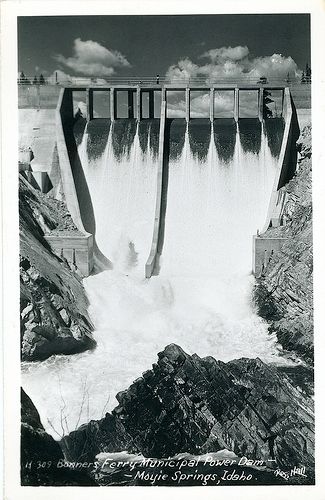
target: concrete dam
<point>172,204</point>
<point>140,177</point>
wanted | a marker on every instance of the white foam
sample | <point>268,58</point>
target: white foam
<point>201,299</point>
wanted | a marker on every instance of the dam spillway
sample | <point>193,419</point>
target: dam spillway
<point>217,180</point>
<point>121,180</point>
<point>217,183</point>
<point>249,102</point>
<point>217,196</point>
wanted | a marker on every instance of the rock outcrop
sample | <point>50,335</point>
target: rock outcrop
<point>188,404</point>
<point>41,454</point>
<point>284,292</point>
<point>53,304</point>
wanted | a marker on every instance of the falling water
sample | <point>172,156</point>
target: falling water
<point>201,298</point>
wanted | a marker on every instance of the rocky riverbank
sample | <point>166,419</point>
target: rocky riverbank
<point>53,304</point>
<point>284,292</point>
<point>41,454</point>
<point>193,405</point>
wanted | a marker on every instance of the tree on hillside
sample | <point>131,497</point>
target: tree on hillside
<point>23,80</point>
<point>41,79</point>
<point>308,73</point>
<point>35,81</point>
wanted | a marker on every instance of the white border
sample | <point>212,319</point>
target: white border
<point>10,9</point>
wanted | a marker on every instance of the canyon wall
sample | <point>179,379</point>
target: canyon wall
<point>284,292</point>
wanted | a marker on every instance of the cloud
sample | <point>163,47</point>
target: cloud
<point>91,59</point>
<point>226,53</point>
<point>234,63</point>
<point>200,104</point>
<point>183,70</point>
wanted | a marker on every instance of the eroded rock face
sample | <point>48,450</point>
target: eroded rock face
<point>41,454</point>
<point>53,304</point>
<point>199,405</point>
<point>284,293</point>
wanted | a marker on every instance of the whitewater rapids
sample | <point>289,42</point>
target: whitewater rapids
<point>201,298</point>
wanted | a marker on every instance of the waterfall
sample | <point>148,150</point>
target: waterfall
<point>201,298</point>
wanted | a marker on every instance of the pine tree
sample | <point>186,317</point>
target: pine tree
<point>41,79</point>
<point>22,77</point>
<point>35,81</point>
<point>23,80</point>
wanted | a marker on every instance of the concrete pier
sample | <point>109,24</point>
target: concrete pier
<point>115,103</point>
<point>138,105</point>
<point>151,262</point>
<point>187,104</point>
<point>90,104</point>
<point>112,104</point>
<point>211,105</point>
<point>130,104</point>
<point>236,105</point>
<point>260,104</point>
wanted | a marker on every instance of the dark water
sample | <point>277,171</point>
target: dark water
<point>274,128</point>
<point>175,135</point>
<point>149,129</point>
<point>250,134</point>
<point>98,130</point>
<point>199,131</point>
<point>225,137</point>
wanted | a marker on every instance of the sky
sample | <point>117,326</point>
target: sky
<point>179,46</point>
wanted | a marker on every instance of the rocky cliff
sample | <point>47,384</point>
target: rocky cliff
<point>53,304</point>
<point>187,404</point>
<point>41,454</point>
<point>284,292</point>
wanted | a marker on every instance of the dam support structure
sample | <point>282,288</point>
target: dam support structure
<point>141,103</point>
<point>264,246</point>
<point>77,250</point>
<point>150,264</point>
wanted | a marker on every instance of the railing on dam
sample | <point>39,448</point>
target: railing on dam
<point>144,80</point>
